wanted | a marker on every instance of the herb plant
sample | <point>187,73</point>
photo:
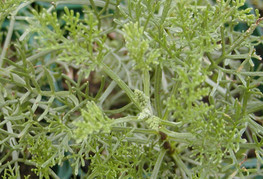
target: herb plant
<point>130,89</point>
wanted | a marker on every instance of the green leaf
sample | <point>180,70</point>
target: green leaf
<point>50,79</point>
<point>17,79</point>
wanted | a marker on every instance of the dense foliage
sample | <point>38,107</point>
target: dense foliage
<point>130,89</point>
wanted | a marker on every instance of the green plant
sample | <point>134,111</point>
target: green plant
<point>131,89</point>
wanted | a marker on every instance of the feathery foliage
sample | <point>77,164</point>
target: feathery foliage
<point>130,89</point>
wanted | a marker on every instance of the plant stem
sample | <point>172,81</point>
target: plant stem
<point>7,40</point>
<point>146,81</point>
<point>121,84</point>
<point>157,88</point>
<point>125,119</point>
<point>135,130</point>
<point>181,164</point>
<point>166,111</point>
<point>239,40</point>
<point>113,111</point>
<point>10,31</point>
<point>176,136</point>
<point>13,143</point>
<point>170,123</point>
<point>223,40</point>
<point>158,164</point>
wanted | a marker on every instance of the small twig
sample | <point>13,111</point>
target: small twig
<point>10,31</point>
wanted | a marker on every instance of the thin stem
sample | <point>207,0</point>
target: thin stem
<point>157,88</point>
<point>53,174</point>
<point>7,40</point>
<point>166,112</point>
<point>181,164</point>
<point>114,111</point>
<point>10,31</point>
<point>239,40</point>
<point>170,123</point>
<point>125,119</point>
<point>104,8</point>
<point>158,164</point>
<point>246,95</point>
<point>176,136</point>
<point>121,84</point>
<point>223,40</point>
<point>135,130</point>
<point>146,82</point>
<point>13,143</point>
<point>32,58</point>
<point>107,92</point>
